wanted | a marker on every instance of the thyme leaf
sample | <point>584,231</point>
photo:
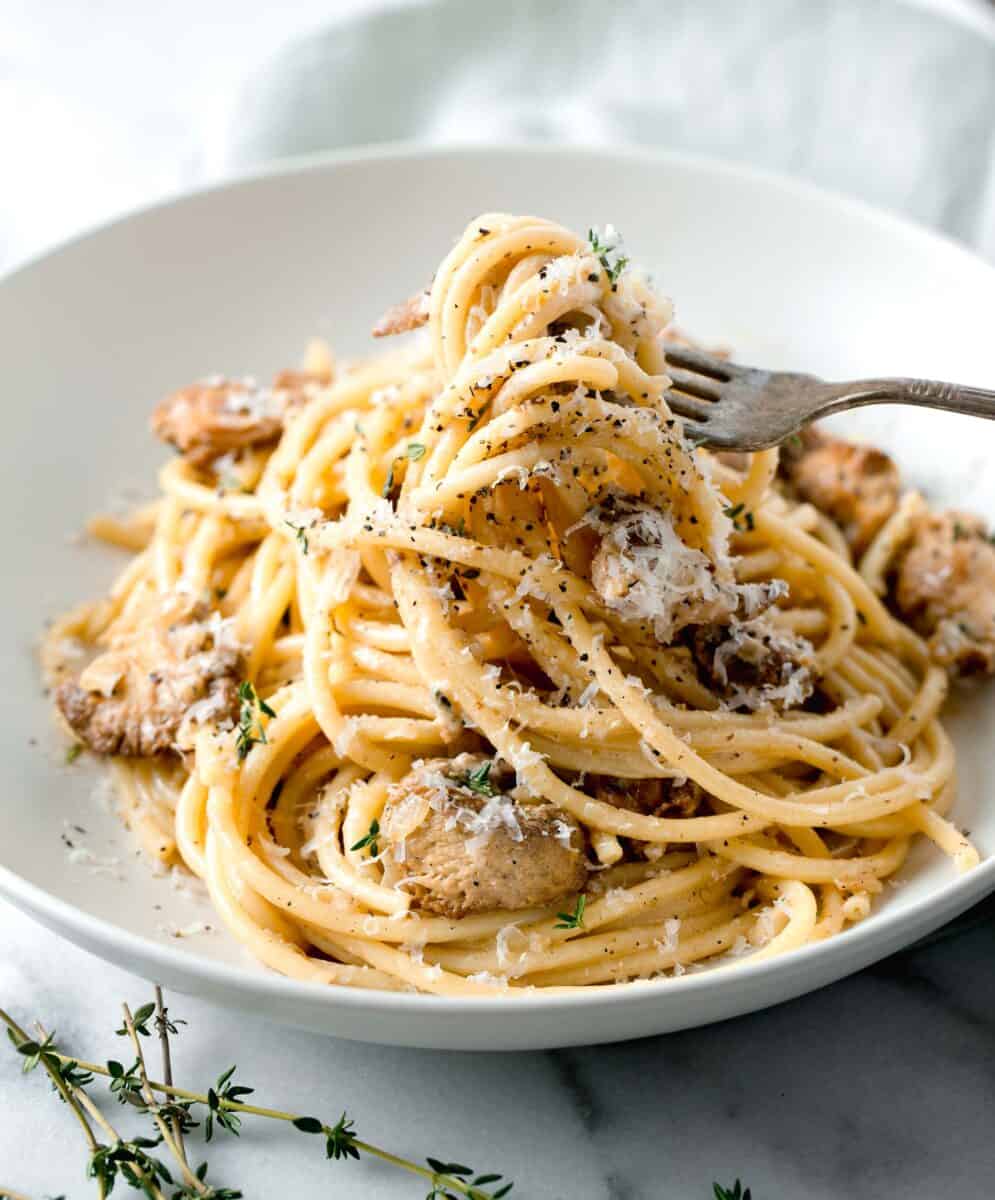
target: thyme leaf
<point>575,919</point>
<point>369,839</point>
<point>251,730</point>
<point>478,780</point>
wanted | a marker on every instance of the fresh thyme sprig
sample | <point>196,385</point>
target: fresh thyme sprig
<point>132,1160</point>
<point>141,1017</point>
<point>413,452</point>
<point>195,1184</point>
<point>604,250</point>
<point>250,725</point>
<point>369,839</point>
<point>736,1192</point>
<point>178,1113</point>
<point>220,1099</point>
<point>575,919</point>
<point>742,519</point>
<point>300,532</point>
<point>478,780</point>
<point>63,1074</point>
<point>388,483</point>
<point>128,1159</point>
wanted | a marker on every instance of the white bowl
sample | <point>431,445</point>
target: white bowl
<point>236,279</point>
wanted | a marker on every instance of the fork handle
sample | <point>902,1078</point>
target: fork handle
<point>927,393</point>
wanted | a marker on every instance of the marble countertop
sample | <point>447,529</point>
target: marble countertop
<point>881,1085</point>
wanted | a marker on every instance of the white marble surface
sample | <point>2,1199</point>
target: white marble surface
<point>879,1086</point>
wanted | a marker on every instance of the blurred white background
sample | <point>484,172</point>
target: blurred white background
<point>109,104</point>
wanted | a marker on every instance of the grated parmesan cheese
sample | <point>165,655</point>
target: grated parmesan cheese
<point>645,572</point>
<point>192,929</point>
<point>671,932</point>
<point>488,978</point>
<point>81,856</point>
<point>258,403</point>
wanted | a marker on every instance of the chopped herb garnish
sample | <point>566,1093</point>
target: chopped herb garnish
<point>388,485</point>
<point>740,520</point>
<point>604,250</point>
<point>251,730</point>
<point>74,751</point>
<point>300,531</point>
<point>479,781</point>
<point>415,451</point>
<point>369,840</point>
<point>574,920</point>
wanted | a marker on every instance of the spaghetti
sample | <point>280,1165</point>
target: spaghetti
<point>488,680</point>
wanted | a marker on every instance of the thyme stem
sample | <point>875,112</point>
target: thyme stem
<point>153,1105</point>
<point>62,1089</point>
<point>275,1114</point>
<point>151,1187</point>
<point>167,1065</point>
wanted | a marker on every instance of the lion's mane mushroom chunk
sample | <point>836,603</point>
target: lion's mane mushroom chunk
<point>753,665</point>
<point>944,587</point>
<point>220,416</point>
<point>667,797</point>
<point>458,843</point>
<point>856,486</point>
<point>155,683</point>
<point>653,580</point>
<point>402,318</point>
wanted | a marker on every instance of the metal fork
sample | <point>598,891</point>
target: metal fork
<point>730,407</point>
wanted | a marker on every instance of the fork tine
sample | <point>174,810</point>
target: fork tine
<point>698,361</point>
<point>694,384</point>
<point>697,435</point>
<point>687,406</point>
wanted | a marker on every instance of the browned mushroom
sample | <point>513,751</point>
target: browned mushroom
<point>218,416</point>
<point>155,683</point>
<point>400,318</point>
<point>751,664</point>
<point>856,486</point>
<point>944,587</point>
<point>657,583</point>
<point>653,797</point>
<point>458,843</point>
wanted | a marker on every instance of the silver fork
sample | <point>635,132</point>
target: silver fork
<point>731,407</point>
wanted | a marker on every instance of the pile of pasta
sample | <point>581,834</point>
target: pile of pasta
<point>408,570</point>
